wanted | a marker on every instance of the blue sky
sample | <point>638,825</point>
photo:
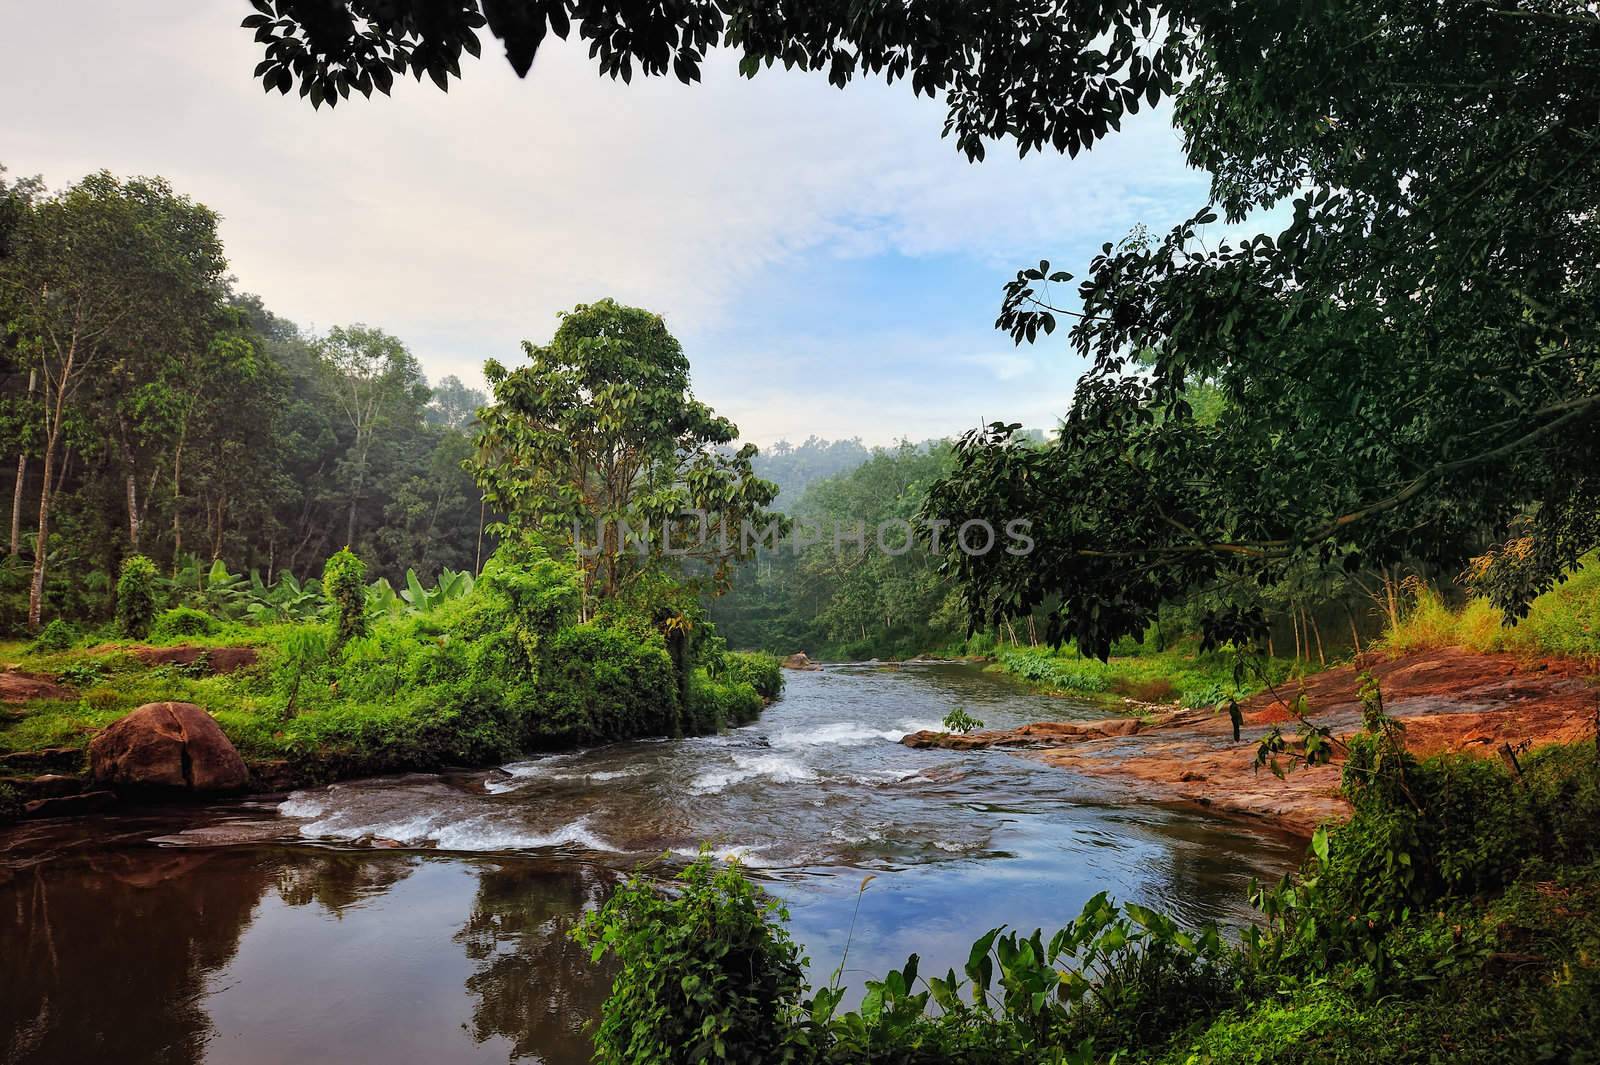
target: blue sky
<point>831,265</point>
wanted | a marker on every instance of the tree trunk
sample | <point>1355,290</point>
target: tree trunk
<point>36,586</point>
<point>133,512</point>
<point>16,506</point>
<point>177,497</point>
<point>130,471</point>
<point>22,477</point>
<point>477,569</point>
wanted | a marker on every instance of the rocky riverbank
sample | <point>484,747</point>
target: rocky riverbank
<point>1450,700</point>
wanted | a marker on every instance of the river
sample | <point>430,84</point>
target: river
<point>424,918</point>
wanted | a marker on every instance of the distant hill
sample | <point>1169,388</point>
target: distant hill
<point>792,467</point>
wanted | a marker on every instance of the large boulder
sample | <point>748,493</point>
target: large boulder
<point>167,747</point>
<point>798,660</point>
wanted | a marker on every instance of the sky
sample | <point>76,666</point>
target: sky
<point>831,265</point>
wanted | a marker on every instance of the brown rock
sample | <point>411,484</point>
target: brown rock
<point>798,660</point>
<point>220,659</point>
<point>171,746</point>
<point>70,805</point>
<point>44,758</point>
<point>51,786</point>
<point>17,686</point>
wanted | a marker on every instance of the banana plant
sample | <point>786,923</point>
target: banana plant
<point>381,598</point>
<point>414,598</point>
<point>286,599</point>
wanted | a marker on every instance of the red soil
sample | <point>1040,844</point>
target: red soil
<point>1451,700</point>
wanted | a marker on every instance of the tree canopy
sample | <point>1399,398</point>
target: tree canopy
<point>599,449</point>
<point>150,409</point>
<point>1409,366</point>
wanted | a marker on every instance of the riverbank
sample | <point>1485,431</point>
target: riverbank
<point>1179,676</point>
<point>1451,700</point>
<point>505,670</point>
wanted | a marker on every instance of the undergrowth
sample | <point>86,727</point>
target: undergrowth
<point>504,669</point>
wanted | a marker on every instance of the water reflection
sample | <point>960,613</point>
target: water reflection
<point>533,986</point>
<point>107,957</point>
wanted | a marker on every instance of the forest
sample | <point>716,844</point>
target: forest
<point>154,410</point>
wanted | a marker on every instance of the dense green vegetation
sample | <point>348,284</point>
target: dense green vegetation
<point>1452,918</point>
<point>500,667</point>
<point>345,511</point>
<point>831,589</point>
<point>202,426</point>
<point>1564,621</point>
<point>1183,675</point>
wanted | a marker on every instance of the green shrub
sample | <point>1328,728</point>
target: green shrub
<point>598,682</point>
<point>101,699</point>
<point>959,721</point>
<point>182,622</point>
<point>706,973</point>
<point>302,668</point>
<point>136,596</point>
<point>714,704</point>
<point>344,581</point>
<point>58,635</point>
<point>10,803</point>
<point>761,671</point>
<point>82,674</point>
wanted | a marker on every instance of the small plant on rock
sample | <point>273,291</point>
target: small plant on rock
<point>959,721</point>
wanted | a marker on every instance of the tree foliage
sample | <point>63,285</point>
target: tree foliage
<point>599,449</point>
<point>149,409</point>
<point>1408,365</point>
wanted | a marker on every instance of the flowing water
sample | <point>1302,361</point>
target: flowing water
<point>423,918</point>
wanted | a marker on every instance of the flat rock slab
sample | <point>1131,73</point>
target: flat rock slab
<point>1452,701</point>
<point>17,686</point>
<point>63,759</point>
<point>174,747</point>
<point>88,802</point>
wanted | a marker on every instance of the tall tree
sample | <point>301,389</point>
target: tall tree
<point>600,436</point>
<point>376,383</point>
<point>93,271</point>
<point>454,405</point>
<point>16,198</point>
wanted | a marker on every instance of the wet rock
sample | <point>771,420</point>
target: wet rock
<point>45,759</point>
<point>50,786</point>
<point>70,805</point>
<point>1450,699</point>
<point>174,747</point>
<point>798,660</point>
<point>1039,734</point>
<point>276,775</point>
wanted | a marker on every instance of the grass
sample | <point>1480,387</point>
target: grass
<point>1564,622</point>
<point>1179,675</point>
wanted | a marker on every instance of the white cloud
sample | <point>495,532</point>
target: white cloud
<point>464,222</point>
